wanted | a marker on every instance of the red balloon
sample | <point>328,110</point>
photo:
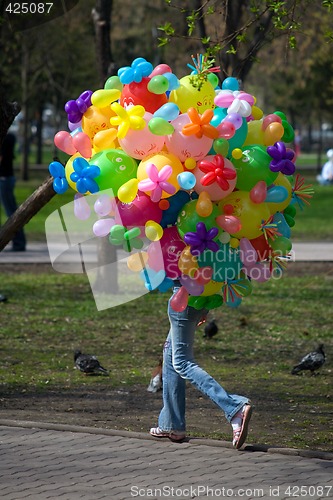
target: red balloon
<point>179,300</point>
<point>138,94</point>
<point>262,247</point>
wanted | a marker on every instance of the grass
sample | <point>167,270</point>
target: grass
<point>51,314</point>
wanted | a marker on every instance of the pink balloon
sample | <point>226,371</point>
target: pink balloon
<point>138,212</point>
<point>179,300</point>
<point>160,70</point>
<point>188,146</point>
<point>229,223</point>
<point>191,285</point>
<point>81,207</point>
<point>248,254</point>
<point>82,143</point>
<point>64,141</point>
<point>171,245</point>
<point>203,275</point>
<point>142,143</point>
<point>215,192</point>
<point>102,227</point>
<point>226,129</point>
<point>259,272</point>
<point>259,192</point>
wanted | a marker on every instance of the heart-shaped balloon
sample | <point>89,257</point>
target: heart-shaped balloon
<point>82,143</point>
<point>64,141</point>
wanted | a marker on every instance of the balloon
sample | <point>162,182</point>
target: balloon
<point>160,126</point>
<point>104,97</point>
<point>252,167</point>
<point>164,254</point>
<point>215,175</point>
<point>168,111</point>
<point>281,245</point>
<point>183,146</point>
<point>186,180</point>
<point>160,70</point>
<point>137,261</point>
<point>116,168</point>
<point>225,263</point>
<point>128,191</point>
<point>229,223</point>
<point>141,143</point>
<point>276,194</point>
<point>230,83</point>
<point>187,262</point>
<point>160,161</point>
<point>96,119</point>
<point>221,146</point>
<point>113,83</point>
<point>179,300</point>
<point>82,144</point>
<point>104,139</point>
<point>153,231</point>
<point>282,226</point>
<point>104,205</point>
<point>204,205</point>
<point>64,141</point>
<point>81,208</point>
<point>139,94</point>
<point>188,218</point>
<point>138,212</point>
<point>102,227</point>
<point>258,193</point>
<point>283,181</point>
<point>158,84</point>
<point>251,215</point>
<point>262,247</point>
<point>191,285</point>
<point>188,95</point>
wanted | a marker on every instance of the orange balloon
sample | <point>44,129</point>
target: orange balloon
<point>187,262</point>
<point>160,160</point>
<point>204,205</point>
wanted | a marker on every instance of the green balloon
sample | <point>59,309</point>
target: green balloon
<point>188,218</point>
<point>116,169</point>
<point>253,167</point>
<point>280,244</point>
<point>221,146</point>
<point>113,83</point>
<point>158,84</point>
<point>160,126</point>
<point>226,264</point>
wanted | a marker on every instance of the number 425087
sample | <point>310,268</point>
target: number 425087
<point>29,8</point>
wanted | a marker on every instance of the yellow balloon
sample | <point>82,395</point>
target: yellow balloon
<point>160,160</point>
<point>69,169</point>
<point>128,191</point>
<point>153,231</point>
<point>105,139</point>
<point>204,205</point>
<point>281,180</point>
<point>137,261</point>
<point>255,133</point>
<point>189,95</point>
<point>104,97</point>
<point>273,133</point>
<point>187,262</point>
<point>212,287</point>
<point>96,119</point>
<point>251,215</point>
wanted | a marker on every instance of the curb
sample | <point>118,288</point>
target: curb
<point>322,455</point>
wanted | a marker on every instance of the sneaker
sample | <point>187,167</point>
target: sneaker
<point>240,433</point>
<point>173,435</point>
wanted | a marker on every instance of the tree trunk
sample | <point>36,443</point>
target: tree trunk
<point>8,111</point>
<point>101,16</point>
<point>26,211</point>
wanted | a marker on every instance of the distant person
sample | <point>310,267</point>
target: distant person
<point>326,176</point>
<point>7,186</point>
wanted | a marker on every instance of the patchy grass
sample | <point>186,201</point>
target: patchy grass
<point>48,315</point>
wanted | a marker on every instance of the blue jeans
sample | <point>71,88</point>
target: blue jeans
<point>179,365</point>
<point>7,198</point>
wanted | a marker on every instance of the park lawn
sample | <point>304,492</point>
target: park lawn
<point>50,314</point>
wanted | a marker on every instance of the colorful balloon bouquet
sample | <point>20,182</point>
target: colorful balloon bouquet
<point>196,168</point>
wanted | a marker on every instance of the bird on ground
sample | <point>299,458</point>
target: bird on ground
<point>88,364</point>
<point>211,329</point>
<point>311,361</point>
<point>156,383</point>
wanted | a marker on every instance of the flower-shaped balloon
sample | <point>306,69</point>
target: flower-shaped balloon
<point>84,175</point>
<point>281,158</point>
<point>127,118</point>
<point>233,290</point>
<point>76,108</point>
<point>202,239</point>
<point>129,238</point>
<point>235,101</point>
<point>215,171</point>
<point>200,124</point>
<point>57,170</point>
<point>157,182</point>
<point>139,69</point>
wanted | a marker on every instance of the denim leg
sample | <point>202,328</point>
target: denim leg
<point>7,197</point>
<point>179,365</point>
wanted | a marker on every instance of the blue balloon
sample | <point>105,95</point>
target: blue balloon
<point>282,226</point>
<point>174,83</point>
<point>230,83</point>
<point>276,194</point>
<point>168,111</point>
<point>186,180</point>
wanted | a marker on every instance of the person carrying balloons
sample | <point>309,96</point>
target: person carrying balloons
<point>179,366</point>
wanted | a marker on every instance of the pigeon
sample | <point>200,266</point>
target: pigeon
<point>311,361</point>
<point>88,364</point>
<point>211,329</point>
<point>155,383</point>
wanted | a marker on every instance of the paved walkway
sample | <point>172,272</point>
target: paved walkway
<point>39,253</point>
<point>66,463</point>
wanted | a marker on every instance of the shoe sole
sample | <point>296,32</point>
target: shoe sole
<point>245,426</point>
<point>172,437</point>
